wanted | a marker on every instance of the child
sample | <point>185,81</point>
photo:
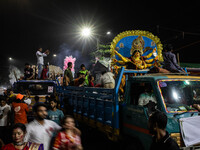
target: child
<point>91,81</point>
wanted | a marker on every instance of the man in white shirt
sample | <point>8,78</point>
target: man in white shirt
<point>4,119</point>
<point>107,80</point>
<point>147,96</point>
<point>40,60</point>
<point>41,130</point>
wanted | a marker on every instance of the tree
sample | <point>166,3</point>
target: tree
<point>101,53</point>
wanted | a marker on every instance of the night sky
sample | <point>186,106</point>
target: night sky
<point>53,24</point>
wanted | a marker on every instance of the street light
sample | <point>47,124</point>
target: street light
<point>86,32</point>
<point>10,58</point>
<point>108,33</point>
<point>54,55</point>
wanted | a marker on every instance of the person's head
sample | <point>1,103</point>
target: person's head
<point>81,81</point>
<point>157,121</point>
<point>168,48</point>
<point>11,92</point>
<point>40,49</point>
<point>68,123</point>
<point>69,64</point>
<point>82,67</point>
<point>104,71</point>
<point>40,111</point>
<point>27,65</point>
<point>47,98</point>
<point>18,133</point>
<point>2,102</point>
<point>91,78</point>
<point>53,103</point>
<point>37,98</point>
<point>148,88</point>
<point>136,53</point>
<point>46,66</point>
<point>19,98</point>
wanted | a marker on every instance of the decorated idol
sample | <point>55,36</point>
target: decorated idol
<point>136,50</point>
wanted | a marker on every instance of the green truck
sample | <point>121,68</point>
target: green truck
<point>127,120</point>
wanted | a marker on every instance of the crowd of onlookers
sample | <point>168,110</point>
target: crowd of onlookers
<point>42,125</point>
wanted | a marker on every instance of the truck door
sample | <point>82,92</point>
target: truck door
<point>135,113</point>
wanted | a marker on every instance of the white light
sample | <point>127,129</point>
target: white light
<point>108,33</point>
<point>10,58</point>
<point>175,95</point>
<point>187,82</point>
<point>54,55</point>
<point>86,32</point>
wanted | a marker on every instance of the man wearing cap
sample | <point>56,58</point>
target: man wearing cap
<point>20,109</point>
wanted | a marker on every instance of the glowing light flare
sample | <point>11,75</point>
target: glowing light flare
<point>108,33</point>
<point>175,95</point>
<point>86,32</point>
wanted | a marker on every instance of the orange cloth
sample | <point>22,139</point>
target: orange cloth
<point>20,110</point>
<point>19,96</point>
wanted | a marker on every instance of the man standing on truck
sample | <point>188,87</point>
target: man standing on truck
<point>40,60</point>
<point>161,138</point>
<point>68,77</point>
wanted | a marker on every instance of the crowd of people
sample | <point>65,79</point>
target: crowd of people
<point>49,129</point>
<point>83,77</point>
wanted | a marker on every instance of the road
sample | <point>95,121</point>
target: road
<point>97,141</point>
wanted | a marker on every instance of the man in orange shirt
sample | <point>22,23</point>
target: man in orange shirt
<point>20,110</point>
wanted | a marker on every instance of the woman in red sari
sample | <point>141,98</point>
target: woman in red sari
<point>69,138</point>
<point>18,134</point>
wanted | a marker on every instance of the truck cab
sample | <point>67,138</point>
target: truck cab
<point>174,95</point>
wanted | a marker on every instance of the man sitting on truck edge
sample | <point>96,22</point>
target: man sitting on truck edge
<point>161,138</point>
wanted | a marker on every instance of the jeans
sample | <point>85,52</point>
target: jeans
<point>40,67</point>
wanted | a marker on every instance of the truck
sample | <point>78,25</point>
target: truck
<point>31,88</point>
<point>126,120</point>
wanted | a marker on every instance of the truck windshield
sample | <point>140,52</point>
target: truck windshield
<point>35,88</point>
<point>179,95</point>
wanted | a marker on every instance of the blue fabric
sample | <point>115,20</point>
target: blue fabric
<point>56,116</point>
<point>170,62</point>
<point>40,67</point>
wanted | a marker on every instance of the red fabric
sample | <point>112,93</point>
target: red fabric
<point>64,142</point>
<point>44,74</point>
<point>20,110</point>
<point>91,84</point>
<point>11,147</point>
